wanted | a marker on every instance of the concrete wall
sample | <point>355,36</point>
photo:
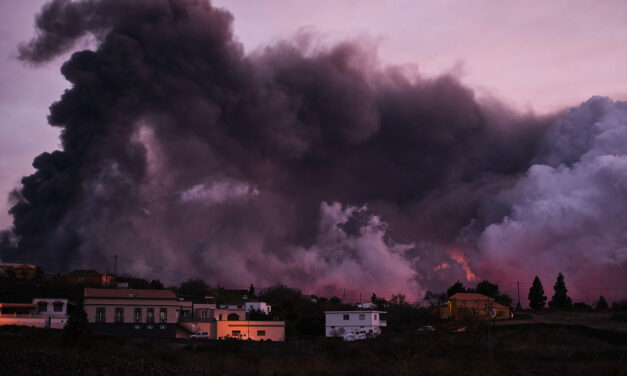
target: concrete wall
<point>261,306</point>
<point>193,327</point>
<point>129,306</point>
<point>225,312</point>
<point>37,322</point>
<point>274,330</point>
<point>136,330</point>
<point>336,325</point>
<point>337,319</point>
<point>338,331</point>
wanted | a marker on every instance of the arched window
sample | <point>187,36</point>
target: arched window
<point>233,317</point>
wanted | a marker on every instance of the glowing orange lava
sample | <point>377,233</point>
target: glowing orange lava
<point>458,256</point>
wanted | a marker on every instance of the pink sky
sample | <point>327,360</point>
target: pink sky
<point>534,55</point>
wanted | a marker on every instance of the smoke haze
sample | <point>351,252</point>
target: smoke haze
<point>305,164</point>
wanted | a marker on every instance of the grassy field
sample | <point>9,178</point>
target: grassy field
<point>534,346</point>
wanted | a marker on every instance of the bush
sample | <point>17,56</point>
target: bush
<point>619,316</point>
<point>77,328</point>
<point>619,306</point>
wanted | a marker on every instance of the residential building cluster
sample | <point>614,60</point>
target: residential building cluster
<point>160,313</point>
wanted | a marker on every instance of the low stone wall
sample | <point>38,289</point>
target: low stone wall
<point>34,321</point>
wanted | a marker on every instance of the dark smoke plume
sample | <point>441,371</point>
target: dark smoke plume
<point>307,165</point>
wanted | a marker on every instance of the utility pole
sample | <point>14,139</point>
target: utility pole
<point>518,285</point>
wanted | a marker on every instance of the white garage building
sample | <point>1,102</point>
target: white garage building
<point>353,324</point>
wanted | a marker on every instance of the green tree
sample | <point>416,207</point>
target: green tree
<point>537,299</point>
<point>156,284</point>
<point>11,273</point>
<point>488,289</point>
<point>560,299</point>
<point>381,303</point>
<point>457,287</point>
<point>77,328</point>
<point>39,274</point>
<point>194,287</point>
<point>602,304</point>
<point>398,299</point>
<point>435,299</point>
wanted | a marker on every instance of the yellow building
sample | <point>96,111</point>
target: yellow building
<point>253,330</point>
<point>466,305</point>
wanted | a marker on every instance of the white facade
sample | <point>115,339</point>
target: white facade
<point>259,306</point>
<point>51,307</point>
<point>367,305</point>
<point>347,323</point>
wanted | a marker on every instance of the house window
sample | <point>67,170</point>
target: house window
<point>235,333</point>
<point>58,307</point>
<point>150,315</point>
<point>119,315</point>
<point>220,317</point>
<point>261,333</point>
<point>185,313</point>
<point>345,317</point>
<point>362,316</point>
<point>100,314</point>
<point>42,307</point>
<point>203,314</point>
<point>163,315</point>
<point>233,317</point>
<point>375,316</point>
<point>138,315</point>
<point>332,327</point>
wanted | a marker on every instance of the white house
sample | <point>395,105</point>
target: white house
<point>42,313</point>
<point>258,306</point>
<point>353,324</point>
<point>367,305</point>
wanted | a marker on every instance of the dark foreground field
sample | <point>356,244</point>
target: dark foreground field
<point>522,349</point>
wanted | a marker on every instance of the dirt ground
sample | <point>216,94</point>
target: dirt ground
<point>564,344</point>
<point>596,320</point>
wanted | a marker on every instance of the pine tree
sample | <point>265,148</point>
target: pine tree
<point>251,291</point>
<point>602,304</point>
<point>560,299</point>
<point>457,287</point>
<point>537,299</point>
<point>77,327</point>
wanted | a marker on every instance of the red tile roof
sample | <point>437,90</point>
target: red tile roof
<point>84,273</point>
<point>129,294</point>
<point>474,297</point>
<point>470,296</point>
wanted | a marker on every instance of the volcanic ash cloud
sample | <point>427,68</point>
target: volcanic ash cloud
<point>179,149</point>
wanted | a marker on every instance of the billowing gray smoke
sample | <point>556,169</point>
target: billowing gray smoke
<point>310,166</point>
